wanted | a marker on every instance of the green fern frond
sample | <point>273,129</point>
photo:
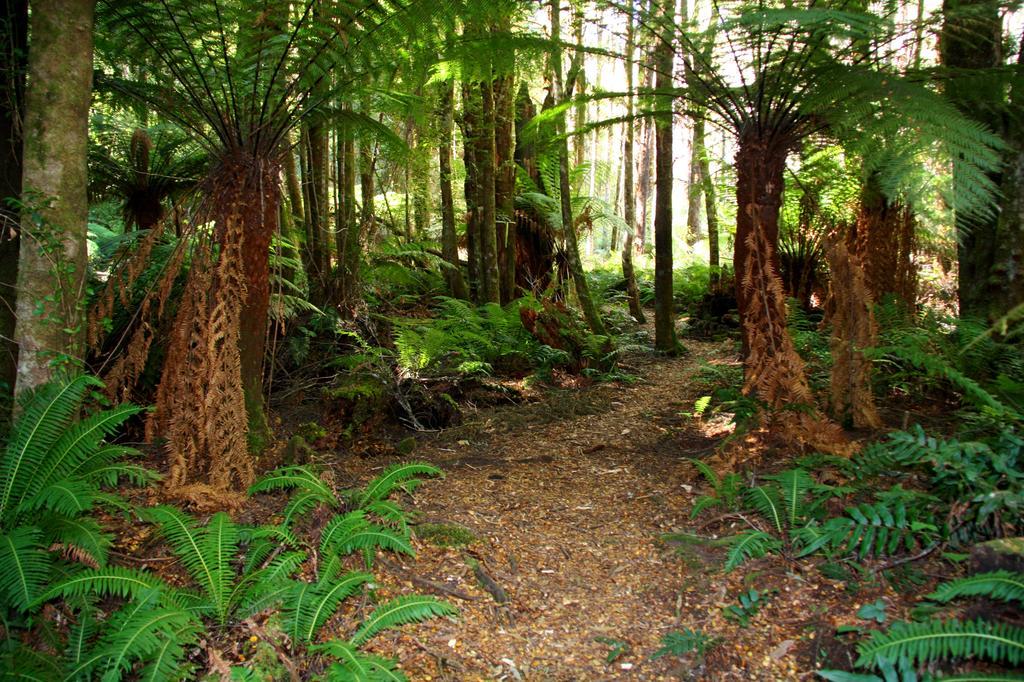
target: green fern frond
<point>794,485</point>
<point>398,611</point>
<point>878,529</point>
<point>339,529</point>
<point>113,581</point>
<point>24,566</point>
<point>46,414</point>
<point>355,666</point>
<point>767,503</point>
<point>750,544</point>
<point>309,606</point>
<point>295,478</point>
<point>374,536</point>
<point>400,475</point>
<point>84,534</point>
<point>936,640</point>
<point>205,552</point>
<point>1002,585</point>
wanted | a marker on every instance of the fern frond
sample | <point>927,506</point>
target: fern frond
<point>1002,585</point>
<point>398,611</point>
<point>24,566</point>
<point>206,552</point>
<point>876,529</point>
<point>309,606</point>
<point>46,413</point>
<point>750,544</point>
<point>767,503</point>
<point>295,478</point>
<point>113,581</point>
<point>355,666</point>
<point>794,485</point>
<point>402,475</point>
<point>83,534</point>
<point>936,640</point>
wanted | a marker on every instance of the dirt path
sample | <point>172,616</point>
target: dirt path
<point>567,511</point>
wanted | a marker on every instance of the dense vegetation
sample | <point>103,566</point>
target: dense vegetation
<point>318,237</point>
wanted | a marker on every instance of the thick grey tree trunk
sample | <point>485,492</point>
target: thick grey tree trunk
<point>52,261</point>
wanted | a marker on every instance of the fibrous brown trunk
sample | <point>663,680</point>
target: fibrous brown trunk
<point>884,241</point>
<point>449,240</point>
<point>52,255</point>
<point>347,232</point>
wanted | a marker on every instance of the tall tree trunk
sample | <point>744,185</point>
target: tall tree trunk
<point>694,231</point>
<point>347,233</point>
<point>52,261</point>
<point>367,191</point>
<point>711,211</point>
<point>990,250</point>
<point>664,306</point>
<point>572,249</point>
<point>632,293</point>
<point>884,244</point>
<point>14,48</point>
<point>314,249</point>
<point>488,207</point>
<point>472,187</point>
<point>505,183</point>
<point>449,240</point>
<point>291,177</point>
<point>646,156</point>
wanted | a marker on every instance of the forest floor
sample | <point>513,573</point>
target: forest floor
<point>566,501</point>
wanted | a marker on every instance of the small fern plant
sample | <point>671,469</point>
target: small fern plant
<point>725,490</point>
<point>52,472</point>
<point>370,520</point>
<point>906,646</point>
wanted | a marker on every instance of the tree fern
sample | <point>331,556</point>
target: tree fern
<point>1001,585</point>
<point>398,611</point>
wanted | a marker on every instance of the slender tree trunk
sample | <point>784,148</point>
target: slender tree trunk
<point>646,155</point>
<point>449,240</point>
<point>367,218</point>
<point>632,293</point>
<point>488,212</point>
<point>472,188</point>
<point>990,251</point>
<point>664,305</point>
<point>505,183</point>
<point>694,227</point>
<point>347,231</point>
<point>711,211</point>
<point>590,311</point>
<point>52,261</point>
<point>291,176</point>
<point>14,48</point>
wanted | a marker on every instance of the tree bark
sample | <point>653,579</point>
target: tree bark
<point>367,191</point>
<point>488,207</point>
<point>52,261</point>
<point>694,226</point>
<point>664,306</point>
<point>346,230</point>
<point>990,251</point>
<point>14,46</point>
<point>572,249</point>
<point>632,293</point>
<point>505,183</point>
<point>470,123</point>
<point>711,211</point>
<point>449,240</point>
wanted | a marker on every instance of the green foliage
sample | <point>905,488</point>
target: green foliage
<point>750,544</point>
<point>681,643</point>
<point>51,474</point>
<point>465,339</point>
<point>725,490</point>
<point>750,602</point>
<point>879,529</point>
<point>915,644</point>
